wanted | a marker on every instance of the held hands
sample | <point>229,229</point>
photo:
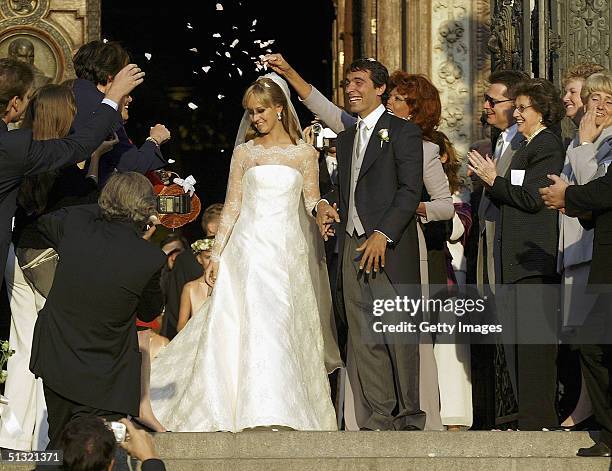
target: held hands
<point>126,80</point>
<point>484,167</point>
<point>373,252</point>
<point>326,215</point>
<point>588,131</point>
<point>138,443</point>
<point>554,195</point>
<point>159,133</point>
<point>211,273</point>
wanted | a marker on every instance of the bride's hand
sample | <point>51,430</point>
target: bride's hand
<point>211,273</point>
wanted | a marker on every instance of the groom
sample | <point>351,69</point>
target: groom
<point>380,179</point>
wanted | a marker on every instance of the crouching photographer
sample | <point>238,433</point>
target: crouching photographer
<point>90,444</point>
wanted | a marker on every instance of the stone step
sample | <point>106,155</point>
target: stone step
<point>373,451</point>
<point>393,464</point>
<point>311,445</point>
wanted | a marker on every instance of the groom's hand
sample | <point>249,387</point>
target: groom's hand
<point>326,215</point>
<point>373,252</point>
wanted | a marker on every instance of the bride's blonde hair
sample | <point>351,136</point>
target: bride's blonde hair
<point>269,94</point>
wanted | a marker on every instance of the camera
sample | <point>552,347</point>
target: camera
<point>119,430</point>
<point>324,137</point>
<point>174,204</point>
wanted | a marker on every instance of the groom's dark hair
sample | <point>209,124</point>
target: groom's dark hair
<point>378,73</point>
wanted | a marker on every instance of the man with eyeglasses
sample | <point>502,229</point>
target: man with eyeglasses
<point>498,108</point>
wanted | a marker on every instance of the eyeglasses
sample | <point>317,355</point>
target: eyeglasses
<point>492,101</point>
<point>521,108</point>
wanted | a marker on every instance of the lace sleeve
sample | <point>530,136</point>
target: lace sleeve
<point>231,206</point>
<point>310,172</point>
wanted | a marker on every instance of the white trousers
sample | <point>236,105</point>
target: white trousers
<point>23,423</point>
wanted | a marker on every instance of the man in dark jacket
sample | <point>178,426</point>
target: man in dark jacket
<point>85,345</point>
<point>593,201</point>
<point>21,156</point>
<point>96,64</point>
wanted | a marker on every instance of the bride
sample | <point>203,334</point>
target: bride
<point>256,353</point>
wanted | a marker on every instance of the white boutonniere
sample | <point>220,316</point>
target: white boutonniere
<point>383,135</point>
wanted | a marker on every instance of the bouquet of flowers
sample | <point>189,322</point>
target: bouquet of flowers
<point>5,350</point>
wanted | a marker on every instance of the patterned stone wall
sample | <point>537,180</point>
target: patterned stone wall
<point>54,29</point>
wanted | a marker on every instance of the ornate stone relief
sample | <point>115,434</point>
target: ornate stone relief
<point>585,27</point>
<point>47,32</point>
<point>452,69</point>
<point>505,42</point>
<point>481,58</point>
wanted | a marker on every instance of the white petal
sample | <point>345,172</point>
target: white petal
<point>219,7</point>
<point>216,35</point>
<point>171,161</point>
<point>254,22</point>
<point>193,49</point>
<point>206,68</point>
<point>189,26</point>
<point>227,54</point>
<point>220,97</point>
<point>105,40</point>
<point>148,56</point>
<point>236,41</point>
<point>239,71</point>
<point>192,106</point>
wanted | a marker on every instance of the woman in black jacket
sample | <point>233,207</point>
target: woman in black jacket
<point>528,238</point>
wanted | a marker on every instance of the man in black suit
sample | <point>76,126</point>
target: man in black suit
<point>96,64</point>
<point>85,345</point>
<point>380,180</point>
<point>21,156</point>
<point>593,201</point>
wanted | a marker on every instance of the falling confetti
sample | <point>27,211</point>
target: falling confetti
<point>227,54</point>
<point>148,56</point>
<point>105,40</point>
<point>206,68</point>
<point>171,161</point>
<point>189,26</point>
<point>219,7</point>
<point>236,41</point>
<point>254,23</point>
<point>234,27</point>
<point>193,49</point>
<point>239,71</point>
<point>216,35</point>
<point>192,106</point>
<point>220,97</point>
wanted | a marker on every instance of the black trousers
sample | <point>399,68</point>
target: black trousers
<point>596,363</point>
<point>537,366</point>
<point>62,410</point>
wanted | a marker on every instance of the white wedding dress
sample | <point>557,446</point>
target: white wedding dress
<point>254,354</point>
